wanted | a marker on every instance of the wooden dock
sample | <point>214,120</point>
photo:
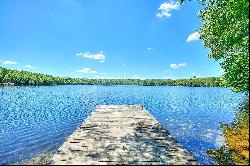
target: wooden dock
<point>121,134</point>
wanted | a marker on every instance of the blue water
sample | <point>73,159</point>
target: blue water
<point>38,119</point>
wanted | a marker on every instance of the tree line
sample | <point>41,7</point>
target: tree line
<point>25,78</point>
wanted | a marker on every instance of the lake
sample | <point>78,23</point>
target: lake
<point>34,120</point>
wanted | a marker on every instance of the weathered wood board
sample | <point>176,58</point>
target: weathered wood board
<point>121,134</point>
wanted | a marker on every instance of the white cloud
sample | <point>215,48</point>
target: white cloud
<point>86,70</point>
<point>176,66</point>
<point>98,56</point>
<point>165,8</point>
<point>9,62</point>
<point>30,66</point>
<point>194,36</point>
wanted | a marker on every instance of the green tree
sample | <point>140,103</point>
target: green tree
<point>29,78</point>
<point>225,31</point>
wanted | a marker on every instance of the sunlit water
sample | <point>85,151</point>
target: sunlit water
<point>38,119</point>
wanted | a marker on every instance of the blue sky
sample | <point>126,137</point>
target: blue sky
<point>104,38</point>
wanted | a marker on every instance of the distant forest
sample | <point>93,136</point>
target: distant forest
<point>24,78</point>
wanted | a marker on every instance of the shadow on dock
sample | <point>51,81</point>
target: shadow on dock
<point>124,135</point>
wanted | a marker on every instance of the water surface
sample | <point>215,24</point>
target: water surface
<point>38,119</point>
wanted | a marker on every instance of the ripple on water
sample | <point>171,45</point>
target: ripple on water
<point>38,119</point>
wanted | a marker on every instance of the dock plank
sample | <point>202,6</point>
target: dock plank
<point>121,134</point>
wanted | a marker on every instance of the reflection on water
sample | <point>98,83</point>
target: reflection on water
<point>235,151</point>
<point>38,119</point>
